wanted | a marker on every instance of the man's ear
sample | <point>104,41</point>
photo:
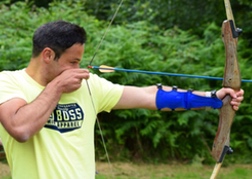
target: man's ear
<point>48,55</point>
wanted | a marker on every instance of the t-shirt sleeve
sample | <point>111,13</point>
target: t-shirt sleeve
<point>9,87</point>
<point>105,93</point>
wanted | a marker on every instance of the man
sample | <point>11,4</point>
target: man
<point>48,114</point>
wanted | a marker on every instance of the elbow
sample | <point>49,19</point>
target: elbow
<point>22,139</point>
<point>19,135</point>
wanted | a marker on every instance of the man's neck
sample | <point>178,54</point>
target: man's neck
<point>35,71</point>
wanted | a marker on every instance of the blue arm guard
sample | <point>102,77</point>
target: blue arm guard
<point>187,100</point>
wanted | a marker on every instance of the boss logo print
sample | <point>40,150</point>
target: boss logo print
<point>66,118</point>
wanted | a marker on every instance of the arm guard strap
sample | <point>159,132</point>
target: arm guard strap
<point>187,100</point>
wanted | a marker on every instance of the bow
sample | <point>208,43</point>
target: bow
<point>231,79</point>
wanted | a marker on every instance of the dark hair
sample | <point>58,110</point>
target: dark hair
<point>58,36</point>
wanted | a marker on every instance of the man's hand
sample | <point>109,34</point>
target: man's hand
<point>71,79</point>
<point>237,96</point>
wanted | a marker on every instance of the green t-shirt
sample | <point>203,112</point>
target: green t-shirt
<point>64,147</point>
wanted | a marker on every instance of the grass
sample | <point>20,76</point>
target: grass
<point>171,171</point>
<point>164,171</point>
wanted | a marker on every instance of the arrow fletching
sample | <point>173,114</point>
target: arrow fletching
<point>106,69</point>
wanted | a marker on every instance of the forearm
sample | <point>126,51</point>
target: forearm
<point>187,100</point>
<point>29,118</point>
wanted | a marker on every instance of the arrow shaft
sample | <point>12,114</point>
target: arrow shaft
<point>161,73</point>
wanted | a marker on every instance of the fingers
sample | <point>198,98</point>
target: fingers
<point>240,93</point>
<point>231,92</point>
<point>80,73</point>
<point>235,104</point>
<point>237,98</point>
<point>71,79</point>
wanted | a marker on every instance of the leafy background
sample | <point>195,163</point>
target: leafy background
<point>169,36</point>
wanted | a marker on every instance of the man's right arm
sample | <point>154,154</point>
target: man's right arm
<point>22,120</point>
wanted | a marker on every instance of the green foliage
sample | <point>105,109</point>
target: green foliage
<point>175,51</point>
<point>144,40</point>
<point>19,21</point>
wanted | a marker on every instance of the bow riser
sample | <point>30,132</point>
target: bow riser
<point>232,80</point>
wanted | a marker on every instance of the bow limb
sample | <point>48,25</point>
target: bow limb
<point>231,79</point>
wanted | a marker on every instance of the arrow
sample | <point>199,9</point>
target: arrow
<point>108,69</point>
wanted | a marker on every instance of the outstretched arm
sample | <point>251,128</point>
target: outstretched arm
<point>145,97</point>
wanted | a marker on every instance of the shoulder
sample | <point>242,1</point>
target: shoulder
<point>11,85</point>
<point>11,74</point>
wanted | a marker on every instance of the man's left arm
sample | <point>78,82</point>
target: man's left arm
<point>146,97</point>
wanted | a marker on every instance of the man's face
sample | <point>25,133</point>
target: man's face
<point>70,59</point>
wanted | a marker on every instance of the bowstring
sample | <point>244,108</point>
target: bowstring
<point>89,90</point>
<point>106,31</point>
<point>100,129</point>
